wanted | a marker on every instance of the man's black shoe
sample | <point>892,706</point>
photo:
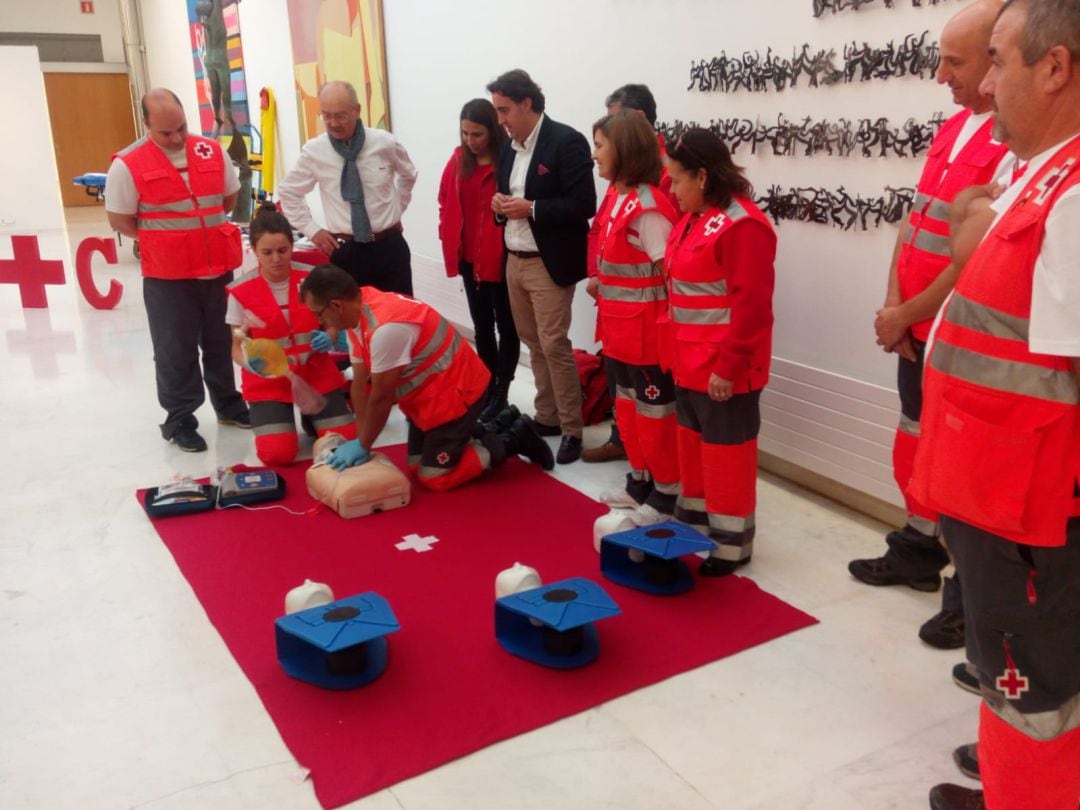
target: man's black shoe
<point>546,430</point>
<point>569,449</point>
<point>944,630</point>
<point>527,442</point>
<point>954,797</point>
<point>966,758</point>
<point>240,420</point>
<point>715,567</point>
<point>878,572</point>
<point>965,676</point>
<point>189,440</point>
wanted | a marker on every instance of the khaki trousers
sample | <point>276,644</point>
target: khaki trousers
<point>542,312</point>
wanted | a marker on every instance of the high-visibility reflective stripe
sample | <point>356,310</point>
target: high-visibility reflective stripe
<point>977,317</point>
<point>736,210</point>
<point>211,200</point>
<point>433,472</point>
<point>430,348</point>
<point>248,276</point>
<point>668,489</point>
<point>178,207</point>
<point>304,337</point>
<point>283,342</point>
<point>413,459</point>
<point>334,421</point>
<point>654,411</point>
<point>645,194</point>
<point>181,223</point>
<point>1012,376</point>
<point>699,287</point>
<point>931,242</point>
<point>733,552</point>
<point>302,357</point>
<point>634,295</point>
<point>910,426</point>
<point>439,365</point>
<point>731,523</point>
<point>483,453</point>
<point>622,392</point>
<point>273,428</point>
<point>924,525</point>
<point>939,209</point>
<point>132,147</point>
<point>692,504</point>
<point>639,270</point>
<point>701,316</point>
<point>369,317</point>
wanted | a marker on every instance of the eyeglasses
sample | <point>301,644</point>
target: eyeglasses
<point>318,313</point>
<point>339,117</point>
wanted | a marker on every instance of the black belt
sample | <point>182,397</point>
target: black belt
<point>524,254</point>
<point>375,237</point>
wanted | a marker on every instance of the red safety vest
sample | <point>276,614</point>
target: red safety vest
<point>1000,446</point>
<point>926,253</point>
<point>632,295</point>
<point>443,378</point>
<point>294,336</point>
<point>183,232</point>
<point>699,302</point>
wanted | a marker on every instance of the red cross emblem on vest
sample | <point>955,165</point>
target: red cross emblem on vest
<point>443,458</point>
<point>203,150</point>
<point>652,392</point>
<point>714,224</point>
<point>1046,186</point>
<point>1012,684</point>
<point>630,206</point>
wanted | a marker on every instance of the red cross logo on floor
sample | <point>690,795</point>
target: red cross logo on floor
<point>443,458</point>
<point>714,224</point>
<point>203,150</point>
<point>1012,684</point>
<point>1046,186</point>
<point>28,270</point>
<point>652,392</point>
<point>414,542</point>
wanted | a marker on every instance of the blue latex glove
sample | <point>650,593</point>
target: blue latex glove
<point>256,365</point>
<point>320,341</point>
<point>342,344</point>
<point>348,455</point>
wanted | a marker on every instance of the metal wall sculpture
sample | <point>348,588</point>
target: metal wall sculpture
<point>836,208</point>
<point>723,74</point>
<point>821,6</point>
<point>841,138</point>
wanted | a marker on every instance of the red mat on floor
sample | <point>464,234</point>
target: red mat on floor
<point>449,689</point>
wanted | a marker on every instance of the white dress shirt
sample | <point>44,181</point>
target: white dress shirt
<point>518,233</point>
<point>386,172</point>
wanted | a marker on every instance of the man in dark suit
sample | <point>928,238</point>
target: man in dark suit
<point>545,196</point>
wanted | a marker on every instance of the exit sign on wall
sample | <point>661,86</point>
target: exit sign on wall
<point>86,6</point>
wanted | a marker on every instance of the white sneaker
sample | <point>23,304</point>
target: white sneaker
<point>646,515</point>
<point>618,498</point>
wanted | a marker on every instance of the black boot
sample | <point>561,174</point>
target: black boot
<point>522,439</point>
<point>501,422</point>
<point>496,398</point>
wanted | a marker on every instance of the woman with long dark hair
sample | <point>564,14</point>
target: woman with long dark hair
<point>634,222</point>
<point>719,342</point>
<point>473,245</point>
<point>264,303</point>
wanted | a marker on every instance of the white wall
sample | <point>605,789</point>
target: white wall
<point>30,203</point>
<point>64,17</point>
<point>830,406</point>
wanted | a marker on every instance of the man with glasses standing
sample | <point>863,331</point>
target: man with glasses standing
<point>365,180</point>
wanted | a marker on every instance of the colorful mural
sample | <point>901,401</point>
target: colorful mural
<point>214,26</point>
<point>339,39</point>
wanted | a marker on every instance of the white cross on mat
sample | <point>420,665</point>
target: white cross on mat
<point>414,542</point>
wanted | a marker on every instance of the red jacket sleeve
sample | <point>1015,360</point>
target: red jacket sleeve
<point>450,216</point>
<point>749,249</point>
<point>592,265</point>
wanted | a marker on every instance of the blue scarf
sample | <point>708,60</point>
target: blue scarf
<point>352,189</point>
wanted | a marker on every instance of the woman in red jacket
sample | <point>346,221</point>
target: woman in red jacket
<point>631,234</point>
<point>719,342</point>
<point>473,245</point>
<point>264,303</point>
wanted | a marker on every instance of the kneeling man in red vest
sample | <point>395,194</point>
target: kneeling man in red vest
<point>403,351</point>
